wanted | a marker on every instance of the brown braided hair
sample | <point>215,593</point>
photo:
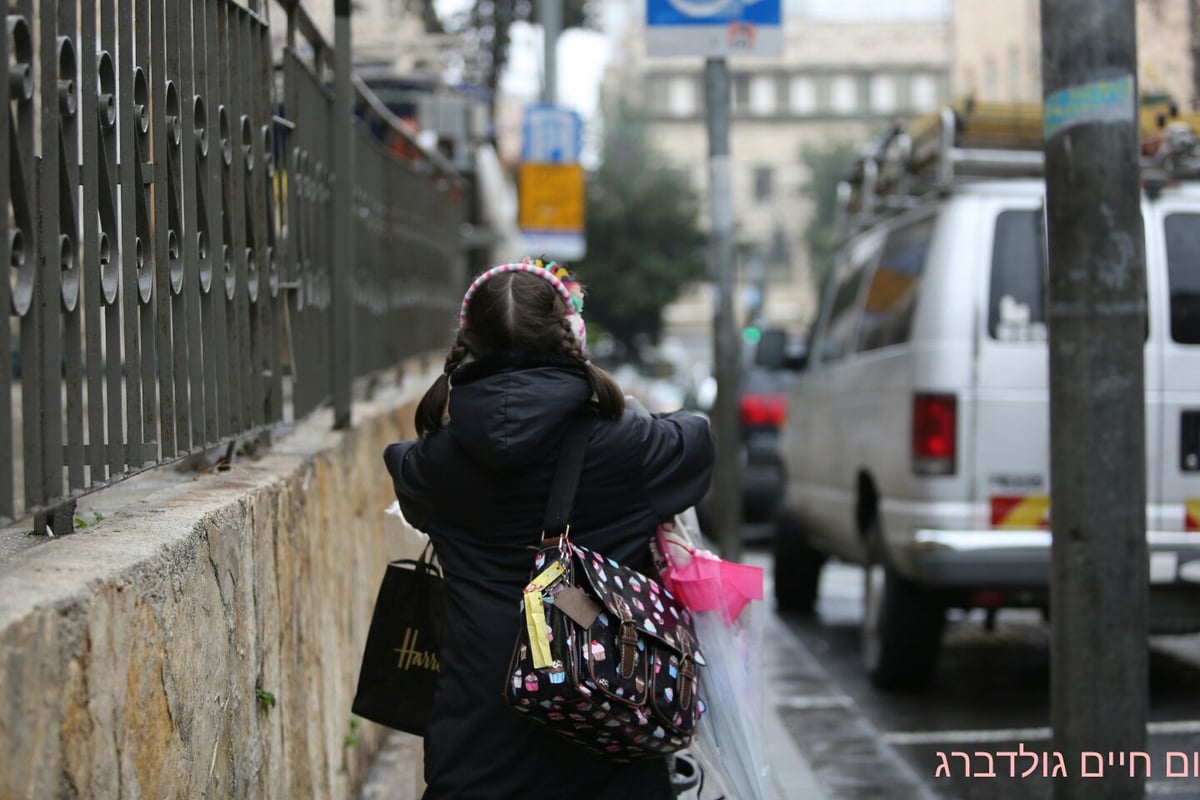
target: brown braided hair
<point>515,311</point>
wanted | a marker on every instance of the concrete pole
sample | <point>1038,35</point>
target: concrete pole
<point>726,491</point>
<point>1097,322</point>
<point>1194,26</point>
<point>551,13</point>
<point>341,257</point>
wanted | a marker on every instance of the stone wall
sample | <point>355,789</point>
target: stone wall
<point>203,640</point>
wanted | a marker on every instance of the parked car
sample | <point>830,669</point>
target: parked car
<point>767,377</point>
<point>767,373</point>
<point>917,435</point>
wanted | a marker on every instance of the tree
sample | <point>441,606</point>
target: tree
<point>827,165</point>
<point>644,242</point>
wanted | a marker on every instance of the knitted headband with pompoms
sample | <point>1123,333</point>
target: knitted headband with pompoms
<point>555,274</point>
<point>560,272</point>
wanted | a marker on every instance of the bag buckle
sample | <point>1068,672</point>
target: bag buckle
<point>562,540</point>
<point>628,640</point>
<point>687,681</point>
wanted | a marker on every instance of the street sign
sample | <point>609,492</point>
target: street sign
<point>550,210</point>
<point>552,135</point>
<point>551,197</point>
<point>554,246</point>
<point>714,28</point>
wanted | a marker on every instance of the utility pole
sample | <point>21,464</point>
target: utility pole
<point>1193,22</point>
<point>726,489</point>
<point>551,14</point>
<point>341,255</point>
<point>1097,318</point>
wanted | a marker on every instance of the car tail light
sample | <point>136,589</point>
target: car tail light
<point>935,434</point>
<point>987,598</point>
<point>763,409</point>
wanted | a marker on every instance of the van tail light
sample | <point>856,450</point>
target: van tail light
<point>763,410</point>
<point>935,434</point>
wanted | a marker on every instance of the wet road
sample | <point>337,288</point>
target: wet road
<point>991,695</point>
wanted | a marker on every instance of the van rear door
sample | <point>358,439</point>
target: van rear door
<point>1011,400</point>
<point>1173,230</point>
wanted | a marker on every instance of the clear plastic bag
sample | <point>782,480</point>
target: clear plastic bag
<point>728,745</point>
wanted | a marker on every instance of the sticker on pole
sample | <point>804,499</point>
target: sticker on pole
<point>1098,101</point>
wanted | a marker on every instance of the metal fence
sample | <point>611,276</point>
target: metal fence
<point>172,239</point>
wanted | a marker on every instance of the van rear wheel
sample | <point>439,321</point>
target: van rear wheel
<point>902,626</point>
<point>797,567</point>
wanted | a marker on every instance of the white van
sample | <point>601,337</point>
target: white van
<point>917,436</point>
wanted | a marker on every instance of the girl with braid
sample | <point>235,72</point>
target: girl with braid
<point>477,481</point>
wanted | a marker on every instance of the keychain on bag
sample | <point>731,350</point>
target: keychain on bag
<point>605,655</point>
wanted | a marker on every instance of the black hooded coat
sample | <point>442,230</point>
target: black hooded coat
<point>479,488</point>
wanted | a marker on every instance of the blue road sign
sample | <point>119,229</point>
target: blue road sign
<point>714,28</point>
<point>712,12</point>
<point>551,135</point>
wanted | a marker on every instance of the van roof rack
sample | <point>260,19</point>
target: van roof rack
<point>969,140</point>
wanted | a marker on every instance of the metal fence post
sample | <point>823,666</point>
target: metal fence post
<point>341,257</point>
<point>147,260</point>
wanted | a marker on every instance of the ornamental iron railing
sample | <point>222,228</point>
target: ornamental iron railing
<point>174,243</point>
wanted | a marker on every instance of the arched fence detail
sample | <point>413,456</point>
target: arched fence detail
<point>171,236</point>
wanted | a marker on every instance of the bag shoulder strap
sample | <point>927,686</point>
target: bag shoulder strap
<point>567,472</point>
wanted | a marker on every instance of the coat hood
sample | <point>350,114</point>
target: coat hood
<point>507,409</point>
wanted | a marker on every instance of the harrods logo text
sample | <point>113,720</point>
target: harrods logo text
<point>411,657</point>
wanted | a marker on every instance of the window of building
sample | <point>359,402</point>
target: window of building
<point>657,93</point>
<point>762,184</point>
<point>970,82</point>
<point>779,253</point>
<point>843,94</point>
<point>883,94</point>
<point>762,95</point>
<point>802,96</point>
<point>924,92</point>
<point>1014,74</point>
<point>681,96</point>
<point>740,90</point>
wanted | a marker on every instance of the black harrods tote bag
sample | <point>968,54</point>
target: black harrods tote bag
<point>400,661</point>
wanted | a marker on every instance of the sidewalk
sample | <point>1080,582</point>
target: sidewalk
<point>791,773</point>
<point>395,773</point>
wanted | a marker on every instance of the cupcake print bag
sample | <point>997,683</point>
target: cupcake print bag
<point>606,656</point>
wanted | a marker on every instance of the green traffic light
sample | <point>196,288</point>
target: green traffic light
<point>751,335</point>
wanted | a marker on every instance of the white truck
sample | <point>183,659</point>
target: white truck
<point>917,434</point>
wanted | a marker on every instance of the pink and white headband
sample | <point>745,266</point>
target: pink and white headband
<point>494,271</point>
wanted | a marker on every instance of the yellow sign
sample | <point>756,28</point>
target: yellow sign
<point>550,197</point>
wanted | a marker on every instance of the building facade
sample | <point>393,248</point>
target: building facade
<point>997,51</point>
<point>838,82</point>
<point>843,80</point>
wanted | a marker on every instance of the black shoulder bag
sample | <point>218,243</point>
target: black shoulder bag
<point>606,656</point>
